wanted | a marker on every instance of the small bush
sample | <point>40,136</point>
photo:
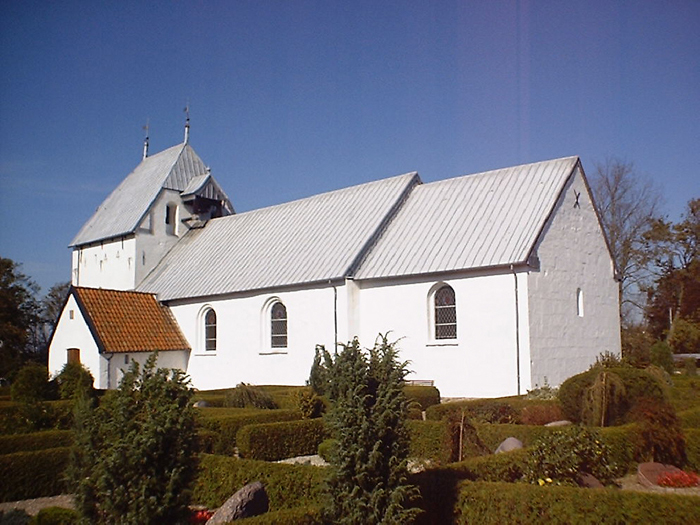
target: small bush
<point>275,441</point>
<point>32,384</point>
<point>74,381</point>
<point>327,449</point>
<point>661,355</point>
<point>690,366</point>
<point>247,396</point>
<point>309,404</point>
<point>56,516</point>
<point>609,360</point>
<point>659,434</point>
<point>542,393</point>
<point>563,455</point>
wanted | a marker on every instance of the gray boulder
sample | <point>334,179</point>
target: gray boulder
<point>509,444</point>
<point>250,501</point>
<point>201,404</point>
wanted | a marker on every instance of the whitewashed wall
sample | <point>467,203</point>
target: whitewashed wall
<point>482,361</point>
<point>74,333</point>
<point>243,351</point>
<point>573,255</point>
<point>111,264</point>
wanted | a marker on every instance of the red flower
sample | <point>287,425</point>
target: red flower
<point>678,480</point>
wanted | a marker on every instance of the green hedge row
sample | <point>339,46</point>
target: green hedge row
<point>425,396</point>
<point>226,422</point>
<point>692,449</point>
<point>35,441</point>
<point>690,418</point>
<point>287,486</point>
<point>306,515</point>
<point>33,474</point>
<point>429,440</point>
<point>286,439</point>
<point>497,503</point>
<point>19,418</point>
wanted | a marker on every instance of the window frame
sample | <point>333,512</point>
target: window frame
<point>437,315</point>
<point>207,326</point>
<point>282,335</point>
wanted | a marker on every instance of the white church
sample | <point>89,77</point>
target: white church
<point>492,283</point>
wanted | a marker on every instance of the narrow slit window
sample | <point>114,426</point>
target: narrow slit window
<point>210,331</point>
<point>278,326</point>
<point>579,302</point>
<point>445,313</point>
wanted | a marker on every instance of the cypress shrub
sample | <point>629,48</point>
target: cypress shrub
<point>35,441</point>
<point>497,503</point>
<point>275,441</point>
<point>287,486</point>
<point>34,474</point>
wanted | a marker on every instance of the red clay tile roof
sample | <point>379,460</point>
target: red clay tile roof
<point>124,321</point>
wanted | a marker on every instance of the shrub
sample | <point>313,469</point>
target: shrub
<point>542,393</point>
<point>637,384</point>
<point>287,486</point>
<point>690,418</point>
<point>605,400</point>
<point>305,515</point>
<point>478,410</point>
<point>564,454</point>
<point>275,441</point>
<point>319,378</point>
<point>509,466</point>
<point>227,422</point>
<point>430,440</point>
<point>692,449</point>
<point>135,455</point>
<point>541,414</point>
<point>309,404</point>
<point>661,355</point>
<point>679,480</point>
<point>32,384</point>
<point>14,517</point>
<point>74,381</point>
<point>248,396</point>
<point>56,516</point>
<point>659,434</point>
<point>690,366</point>
<point>493,435</point>
<point>327,448</point>
<point>368,478</point>
<point>35,441</point>
<point>685,336</point>
<point>34,474</point>
<point>609,360</point>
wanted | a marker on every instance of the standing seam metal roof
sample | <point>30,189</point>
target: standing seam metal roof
<point>315,239</point>
<point>475,221</point>
<point>122,211</point>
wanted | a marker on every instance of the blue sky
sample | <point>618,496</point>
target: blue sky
<point>292,98</point>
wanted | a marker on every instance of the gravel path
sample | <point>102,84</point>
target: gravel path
<point>33,506</point>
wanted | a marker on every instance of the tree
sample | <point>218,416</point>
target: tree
<point>135,455</point>
<point>368,482</point>
<point>628,204</point>
<point>673,306</point>
<point>53,301</point>
<point>19,312</point>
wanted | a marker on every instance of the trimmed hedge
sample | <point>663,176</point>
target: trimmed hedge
<point>226,422</point>
<point>493,435</point>
<point>307,515</point>
<point>690,418</point>
<point>35,474</point>
<point>35,441</point>
<point>692,449</point>
<point>497,503</point>
<point>286,439</point>
<point>478,410</point>
<point>20,418</point>
<point>425,396</point>
<point>429,440</point>
<point>287,486</point>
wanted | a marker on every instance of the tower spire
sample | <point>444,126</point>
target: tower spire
<point>187,123</point>
<point>145,140</point>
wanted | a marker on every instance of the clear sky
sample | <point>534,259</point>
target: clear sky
<point>292,98</point>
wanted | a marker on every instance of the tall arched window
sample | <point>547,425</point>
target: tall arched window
<point>278,326</point>
<point>445,313</point>
<point>210,330</point>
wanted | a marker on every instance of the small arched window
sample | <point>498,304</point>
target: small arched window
<point>278,326</point>
<point>210,330</point>
<point>445,313</point>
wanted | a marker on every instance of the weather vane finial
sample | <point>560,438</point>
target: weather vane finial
<point>187,123</point>
<point>145,140</point>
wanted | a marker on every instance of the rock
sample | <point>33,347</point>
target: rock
<point>201,404</point>
<point>649,473</point>
<point>509,444</point>
<point>589,481</point>
<point>250,501</point>
<point>562,423</point>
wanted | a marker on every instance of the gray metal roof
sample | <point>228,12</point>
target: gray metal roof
<point>475,221</point>
<point>122,211</point>
<point>310,240</point>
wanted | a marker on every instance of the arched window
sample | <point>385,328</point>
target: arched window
<point>210,330</point>
<point>445,313</point>
<point>278,326</point>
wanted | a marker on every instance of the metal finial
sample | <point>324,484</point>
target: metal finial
<point>145,140</point>
<point>187,123</point>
